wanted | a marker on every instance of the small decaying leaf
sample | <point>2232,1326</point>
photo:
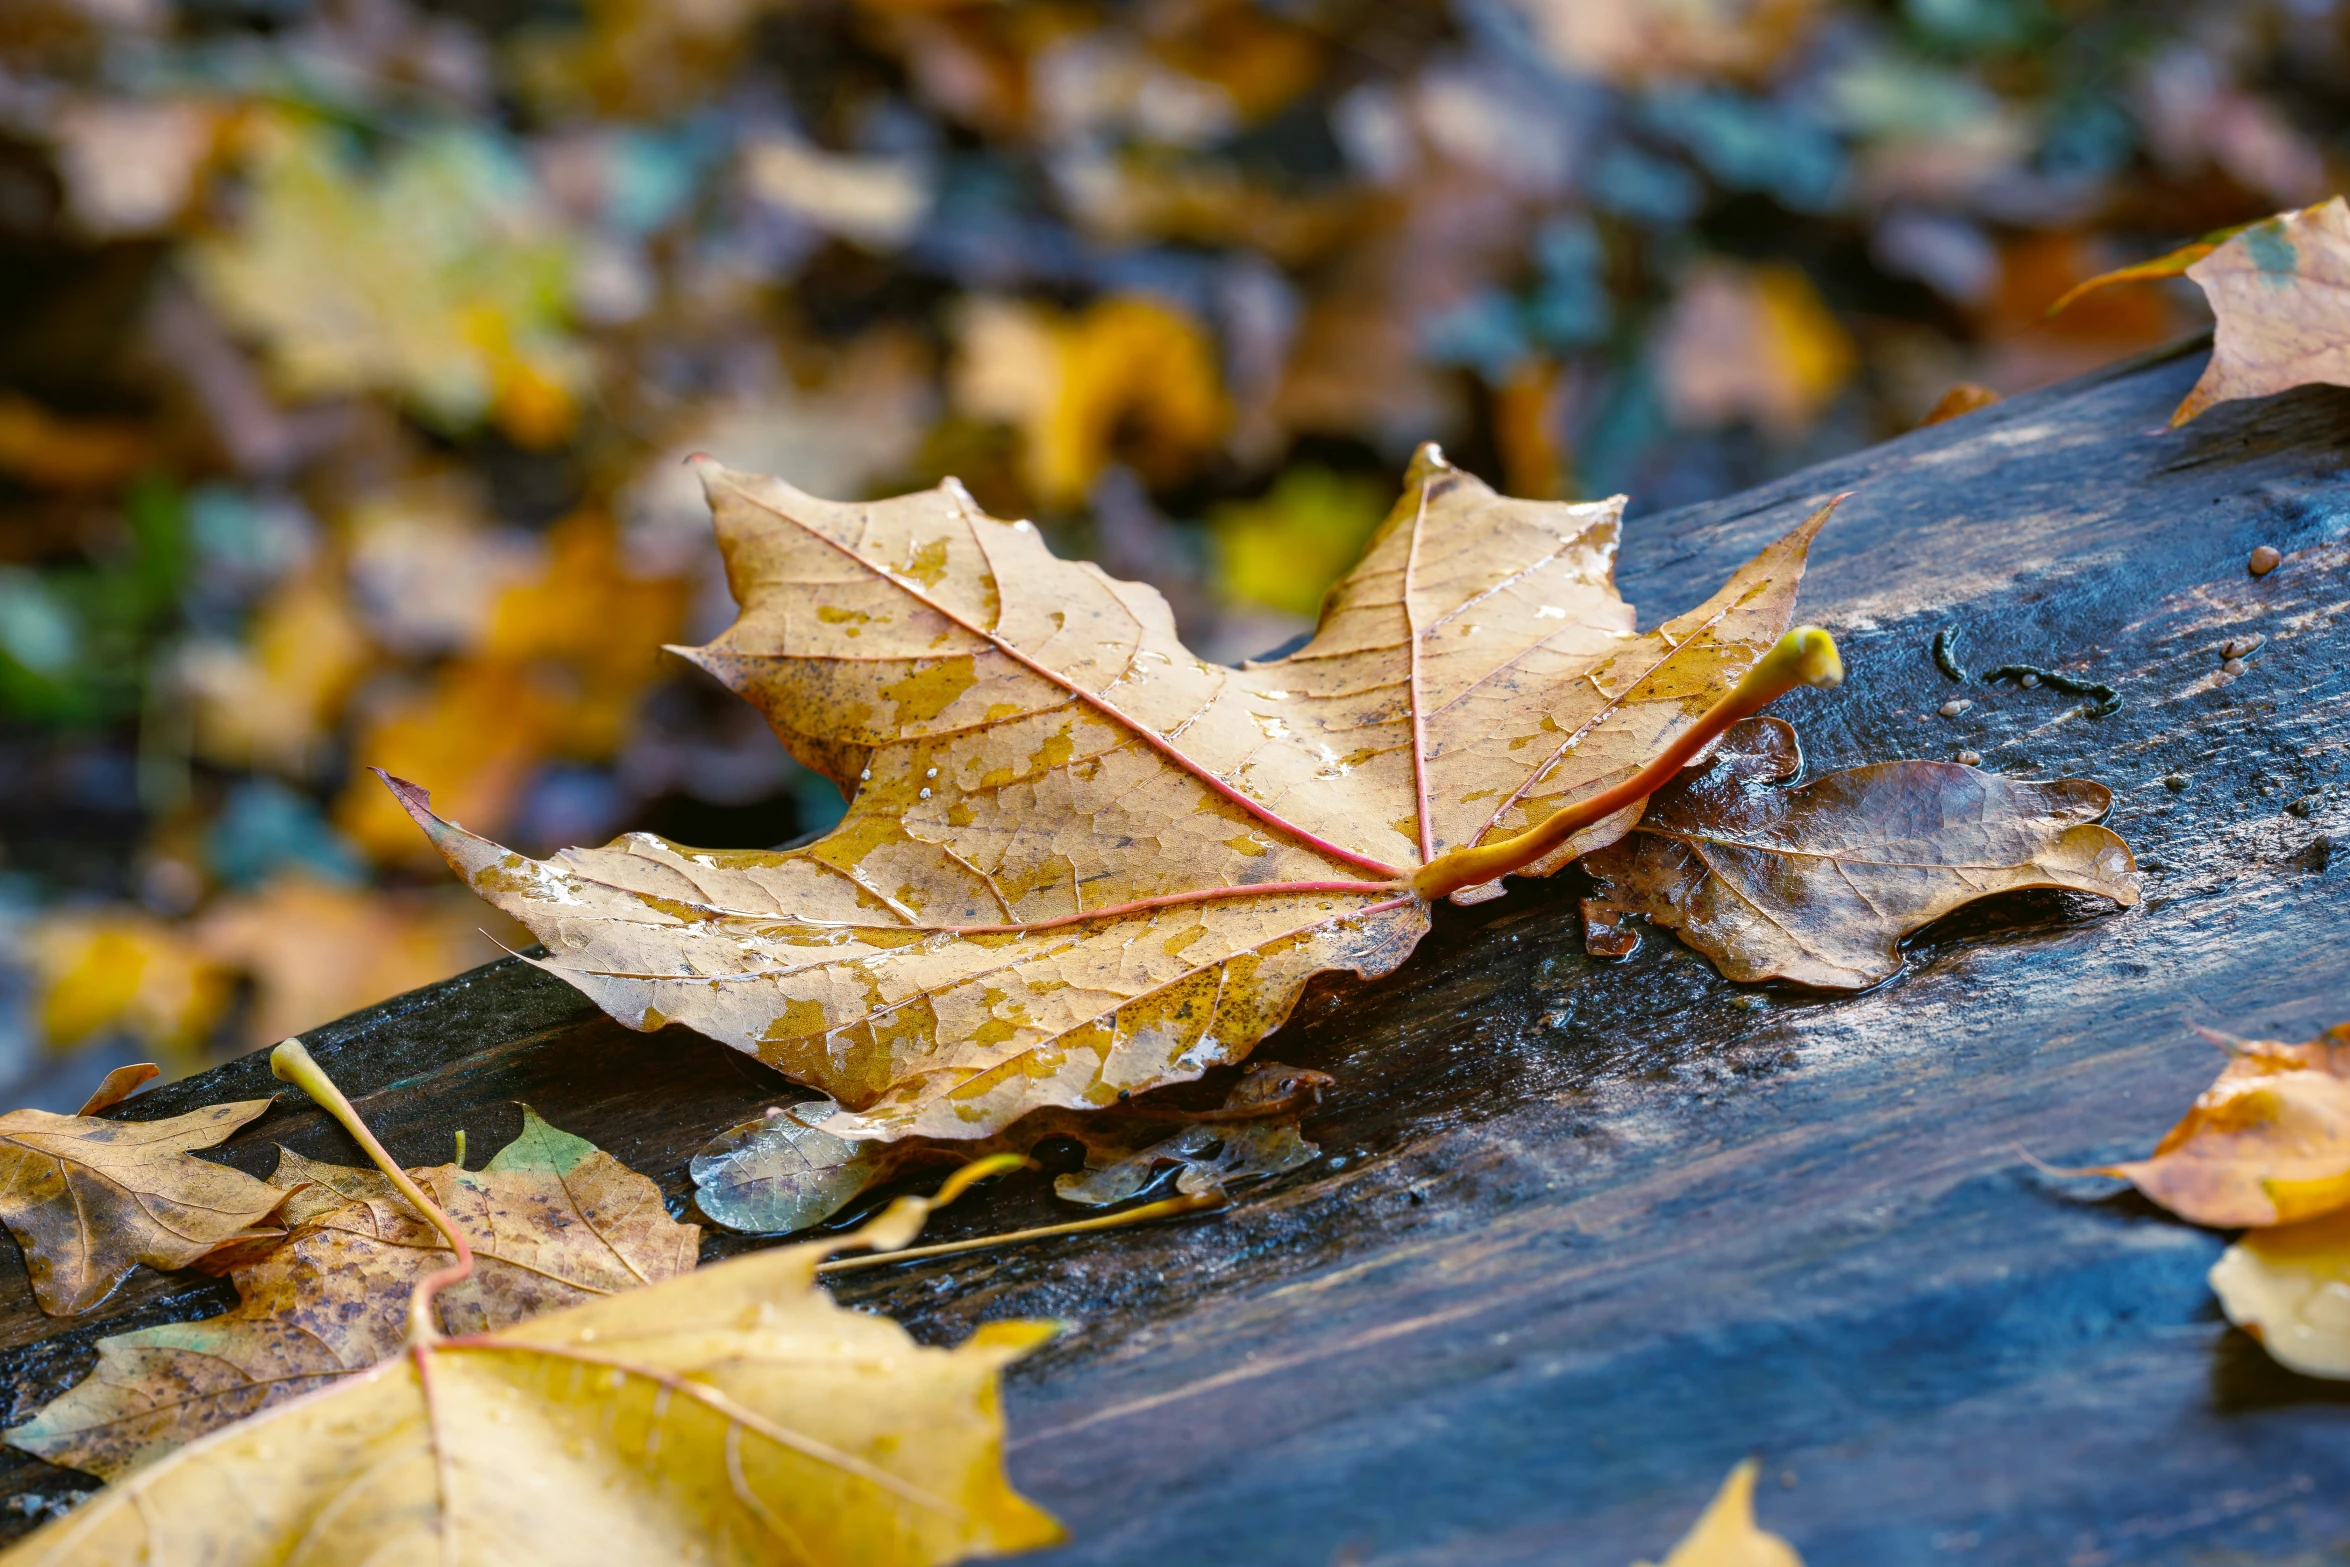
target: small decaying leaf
<point>733,1415</point>
<point>2267,1143</point>
<point>1819,883</point>
<point>89,1199</point>
<point>2289,1287</point>
<point>1080,860</point>
<point>784,1172</point>
<point>552,1219</point>
<point>1252,1136</point>
<point>1726,1535</point>
<point>2277,288</point>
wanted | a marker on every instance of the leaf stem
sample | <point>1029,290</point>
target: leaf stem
<point>1192,1203</point>
<point>1805,656</point>
<point>291,1062</point>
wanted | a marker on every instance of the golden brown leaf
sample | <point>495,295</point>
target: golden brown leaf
<point>2289,1287</point>
<point>89,1199</point>
<point>1082,860</point>
<point>1820,883</point>
<point>553,1221</point>
<point>2267,1143</point>
<point>2278,289</point>
<point>731,1416</point>
<point>1725,1534</point>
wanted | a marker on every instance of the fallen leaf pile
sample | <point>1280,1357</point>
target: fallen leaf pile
<point>2267,1147</point>
<point>733,1414</point>
<point>553,1222</point>
<point>1078,860</point>
<point>521,1364</point>
<point>2278,288</point>
<point>1818,883</point>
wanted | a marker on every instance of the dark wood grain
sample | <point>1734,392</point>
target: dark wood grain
<point>1587,1232</point>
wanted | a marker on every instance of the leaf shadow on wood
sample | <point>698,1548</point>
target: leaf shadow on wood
<point>2244,1379</point>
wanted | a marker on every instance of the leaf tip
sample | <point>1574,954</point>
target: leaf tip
<point>1807,656</point>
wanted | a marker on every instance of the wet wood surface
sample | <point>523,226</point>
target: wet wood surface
<point>1587,1232</point>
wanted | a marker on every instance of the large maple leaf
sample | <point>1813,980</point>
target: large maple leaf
<point>1080,860</point>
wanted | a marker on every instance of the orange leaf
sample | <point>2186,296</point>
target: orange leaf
<point>2267,1143</point>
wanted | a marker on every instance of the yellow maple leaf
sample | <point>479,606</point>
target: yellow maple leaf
<point>1080,859</point>
<point>2289,1287</point>
<point>88,1198</point>
<point>2267,1143</point>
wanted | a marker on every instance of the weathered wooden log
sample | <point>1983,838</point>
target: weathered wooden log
<point>1587,1232</point>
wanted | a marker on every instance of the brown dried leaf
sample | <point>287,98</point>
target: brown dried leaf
<point>89,1199</point>
<point>2267,1143</point>
<point>2278,289</point>
<point>1819,884</point>
<point>733,1415</point>
<point>1080,859</point>
<point>553,1220</point>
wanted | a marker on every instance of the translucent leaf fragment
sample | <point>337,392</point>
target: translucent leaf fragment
<point>784,1172</point>
<point>1255,1137</point>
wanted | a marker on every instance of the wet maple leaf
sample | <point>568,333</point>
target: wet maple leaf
<point>1726,1535</point>
<point>732,1415</point>
<point>89,1199</point>
<point>553,1221</point>
<point>1820,883</point>
<point>2267,1143</point>
<point>1081,860</point>
<point>2289,1287</point>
